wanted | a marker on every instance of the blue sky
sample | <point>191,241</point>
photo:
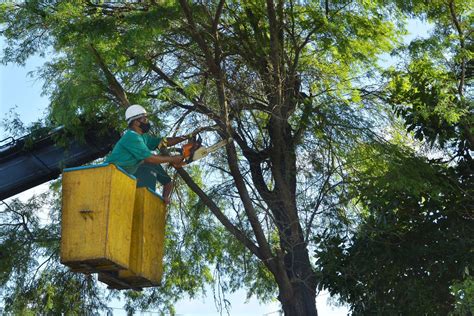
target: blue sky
<point>20,91</point>
<point>17,89</point>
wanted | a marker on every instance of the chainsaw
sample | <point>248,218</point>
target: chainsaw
<point>194,150</point>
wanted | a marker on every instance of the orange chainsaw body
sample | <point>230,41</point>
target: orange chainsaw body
<point>189,148</point>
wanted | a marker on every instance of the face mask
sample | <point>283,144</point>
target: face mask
<point>145,127</point>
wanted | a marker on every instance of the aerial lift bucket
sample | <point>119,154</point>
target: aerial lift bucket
<point>147,245</point>
<point>97,213</point>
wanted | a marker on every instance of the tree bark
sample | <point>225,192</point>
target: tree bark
<point>303,304</point>
<point>297,266</point>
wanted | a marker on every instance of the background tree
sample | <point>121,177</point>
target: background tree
<point>413,247</point>
<point>293,83</point>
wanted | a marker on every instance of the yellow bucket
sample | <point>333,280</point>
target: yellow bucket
<point>97,213</point>
<point>148,237</point>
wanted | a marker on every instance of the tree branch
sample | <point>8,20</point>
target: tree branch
<point>217,16</point>
<point>248,207</point>
<point>198,106</point>
<point>462,44</point>
<point>255,159</point>
<point>239,235</point>
<point>114,85</point>
<point>198,38</point>
<point>275,50</point>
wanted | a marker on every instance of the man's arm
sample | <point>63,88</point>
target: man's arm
<point>158,159</point>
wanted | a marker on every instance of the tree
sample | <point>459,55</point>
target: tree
<point>412,250</point>
<point>286,80</point>
<point>413,241</point>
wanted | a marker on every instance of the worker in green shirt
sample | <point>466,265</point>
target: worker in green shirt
<point>133,152</point>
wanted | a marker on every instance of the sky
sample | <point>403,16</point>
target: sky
<point>21,92</point>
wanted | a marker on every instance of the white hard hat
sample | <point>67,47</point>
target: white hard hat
<point>133,112</point>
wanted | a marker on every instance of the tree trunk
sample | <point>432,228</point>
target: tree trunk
<point>302,300</point>
<point>303,303</point>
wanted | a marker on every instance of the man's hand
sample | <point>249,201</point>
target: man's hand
<point>177,161</point>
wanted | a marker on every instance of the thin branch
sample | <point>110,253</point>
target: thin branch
<point>43,263</point>
<point>462,44</point>
<point>178,123</point>
<point>198,38</point>
<point>23,221</point>
<point>267,256</point>
<point>198,106</point>
<point>115,87</point>
<point>239,235</point>
<point>318,203</point>
<point>217,16</point>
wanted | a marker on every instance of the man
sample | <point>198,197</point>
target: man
<point>133,152</point>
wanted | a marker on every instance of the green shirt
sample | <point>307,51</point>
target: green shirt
<point>131,149</point>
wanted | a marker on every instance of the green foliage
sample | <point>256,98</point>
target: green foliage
<point>56,291</point>
<point>31,277</point>
<point>464,293</point>
<point>414,238</point>
<point>426,98</point>
<point>433,91</point>
<point>12,124</point>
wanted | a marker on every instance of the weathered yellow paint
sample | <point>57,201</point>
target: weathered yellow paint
<point>147,246</point>
<point>97,211</point>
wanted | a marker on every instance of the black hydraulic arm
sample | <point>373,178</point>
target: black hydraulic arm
<point>32,160</point>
